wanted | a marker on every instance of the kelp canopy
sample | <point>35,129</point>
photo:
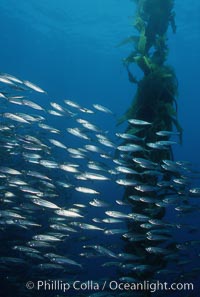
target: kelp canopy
<point>155,99</point>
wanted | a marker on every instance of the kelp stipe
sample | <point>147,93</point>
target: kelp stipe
<point>154,102</point>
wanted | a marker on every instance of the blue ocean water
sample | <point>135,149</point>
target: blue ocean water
<point>69,47</point>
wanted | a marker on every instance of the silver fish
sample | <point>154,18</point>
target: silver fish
<point>195,191</point>
<point>165,142</point>
<point>57,143</point>
<point>49,128</point>
<point>130,148</point>
<point>89,227</point>
<point>86,110</point>
<point>97,166</point>
<point>102,250</point>
<point>48,163</point>
<point>167,133</point>
<point>77,132</point>
<point>94,148</point>
<point>57,106</point>
<point>129,137</point>
<point>55,113</point>
<point>25,249</point>
<point>15,117</point>
<point>68,168</point>
<point>44,237</point>
<point>72,104</point>
<point>138,217</point>
<point>157,146</point>
<point>32,104</point>
<point>31,190</point>
<point>62,227</point>
<point>50,266</point>
<point>33,86</point>
<point>45,203</point>
<point>127,182</point>
<point>39,244</point>
<point>9,170</point>
<point>88,125</point>
<point>12,214</point>
<point>126,170</point>
<point>98,203</point>
<point>64,184</point>
<point>139,122</point>
<point>114,231</point>
<point>65,261</point>
<point>38,175</point>
<point>95,176</point>
<point>117,214</point>
<point>112,220</point>
<point>17,181</point>
<point>86,190</point>
<point>106,142</point>
<point>68,213</point>
<point>102,108</point>
<point>5,80</point>
<point>146,188</point>
<point>12,78</point>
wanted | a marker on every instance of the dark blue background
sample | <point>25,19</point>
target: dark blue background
<point>69,48</point>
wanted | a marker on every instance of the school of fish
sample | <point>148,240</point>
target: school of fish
<point>59,212</point>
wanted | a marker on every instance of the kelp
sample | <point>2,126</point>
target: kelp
<point>155,98</point>
<point>154,102</point>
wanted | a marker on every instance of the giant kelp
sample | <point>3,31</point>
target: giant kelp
<point>155,99</point>
<point>155,102</point>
